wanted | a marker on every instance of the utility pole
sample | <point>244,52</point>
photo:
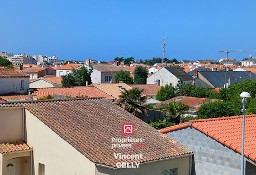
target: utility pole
<point>164,51</point>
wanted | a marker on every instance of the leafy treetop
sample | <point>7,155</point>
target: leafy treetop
<point>78,77</point>
<point>140,75</point>
<point>123,76</point>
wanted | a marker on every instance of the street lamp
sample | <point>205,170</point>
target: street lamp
<point>244,96</point>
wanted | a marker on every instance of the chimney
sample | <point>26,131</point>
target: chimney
<point>117,63</point>
<point>88,61</point>
<point>194,82</point>
<point>195,73</point>
<point>229,82</point>
<point>21,66</point>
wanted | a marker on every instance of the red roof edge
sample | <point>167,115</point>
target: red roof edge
<point>175,127</point>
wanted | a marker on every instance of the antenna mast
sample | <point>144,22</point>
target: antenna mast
<point>164,51</point>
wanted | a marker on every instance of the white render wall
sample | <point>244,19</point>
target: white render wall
<point>96,76</point>
<point>58,156</point>
<point>248,63</point>
<point>60,73</point>
<point>13,85</point>
<point>164,76</point>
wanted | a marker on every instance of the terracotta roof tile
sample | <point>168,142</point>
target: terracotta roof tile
<point>113,89</point>
<point>33,69</point>
<point>148,89</point>
<point>227,131</point>
<point>175,127</point>
<point>85,91</point>
<point>91,125</point>
<point>13,147</point>
<point>190,101</point>
<point>16,97</point>
<point>128,68</point>
<point>252,69</point>
<point>106,68</point>
<point>56,80</point>
<point>12,73</point>
<point>68,67</point>
<point>29,65</point>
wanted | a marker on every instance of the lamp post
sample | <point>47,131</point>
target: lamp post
<point>244,96</point>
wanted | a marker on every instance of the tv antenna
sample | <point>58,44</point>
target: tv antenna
<point>164,51</point>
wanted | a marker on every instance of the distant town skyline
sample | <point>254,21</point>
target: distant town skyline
<point>103,30</point>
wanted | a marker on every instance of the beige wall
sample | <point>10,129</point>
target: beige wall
<point>20,165</point>
<point>50,149</point>
<point>1,161</point>
<point>11,125</point>
<point>154,168</point>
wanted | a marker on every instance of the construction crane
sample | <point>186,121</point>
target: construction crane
<point>228,51</point>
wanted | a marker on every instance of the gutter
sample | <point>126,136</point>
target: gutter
<point>22,151</point>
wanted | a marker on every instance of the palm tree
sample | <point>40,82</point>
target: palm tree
<point>132,101</point>
<point>174,111</point>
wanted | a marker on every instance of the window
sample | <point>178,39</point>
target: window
<point>108,78</point>
<point>41,169</point>
<point>61,73</point>
<point>22,84</point>
<point>170,172</point>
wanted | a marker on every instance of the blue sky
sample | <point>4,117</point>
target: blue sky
<point>105,29</point>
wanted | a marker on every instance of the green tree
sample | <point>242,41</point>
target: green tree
<point>233,92</point>
<point>218,109</point>
<point>119,59</point>
<point>132,101</point>
<point>128,61</point>
<point>5,63</point>
<point>174,111</point>
<point>140,75</point>
<point>251,106</point>
<point>123,76</point>
<point>166,92</point>
<point>193,91</point>
<point>78,77</point>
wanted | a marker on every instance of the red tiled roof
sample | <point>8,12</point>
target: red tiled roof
<point>29,65</point>
<point>148,89</point>
<point>13,147</point>
<point>68,67</point>
<point>128,68</point>
<point>90,124</point>
<point>227,131</point>
<point>252,69</point>
<point>16,97</point>
<point>113,89</point>
<point>190,101</point>
<point>106,68</point>
<point>175,127</point>
<point>56,80</point>
<point>33,69</point>
<point>78,91</point>
<point>12,73</point>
